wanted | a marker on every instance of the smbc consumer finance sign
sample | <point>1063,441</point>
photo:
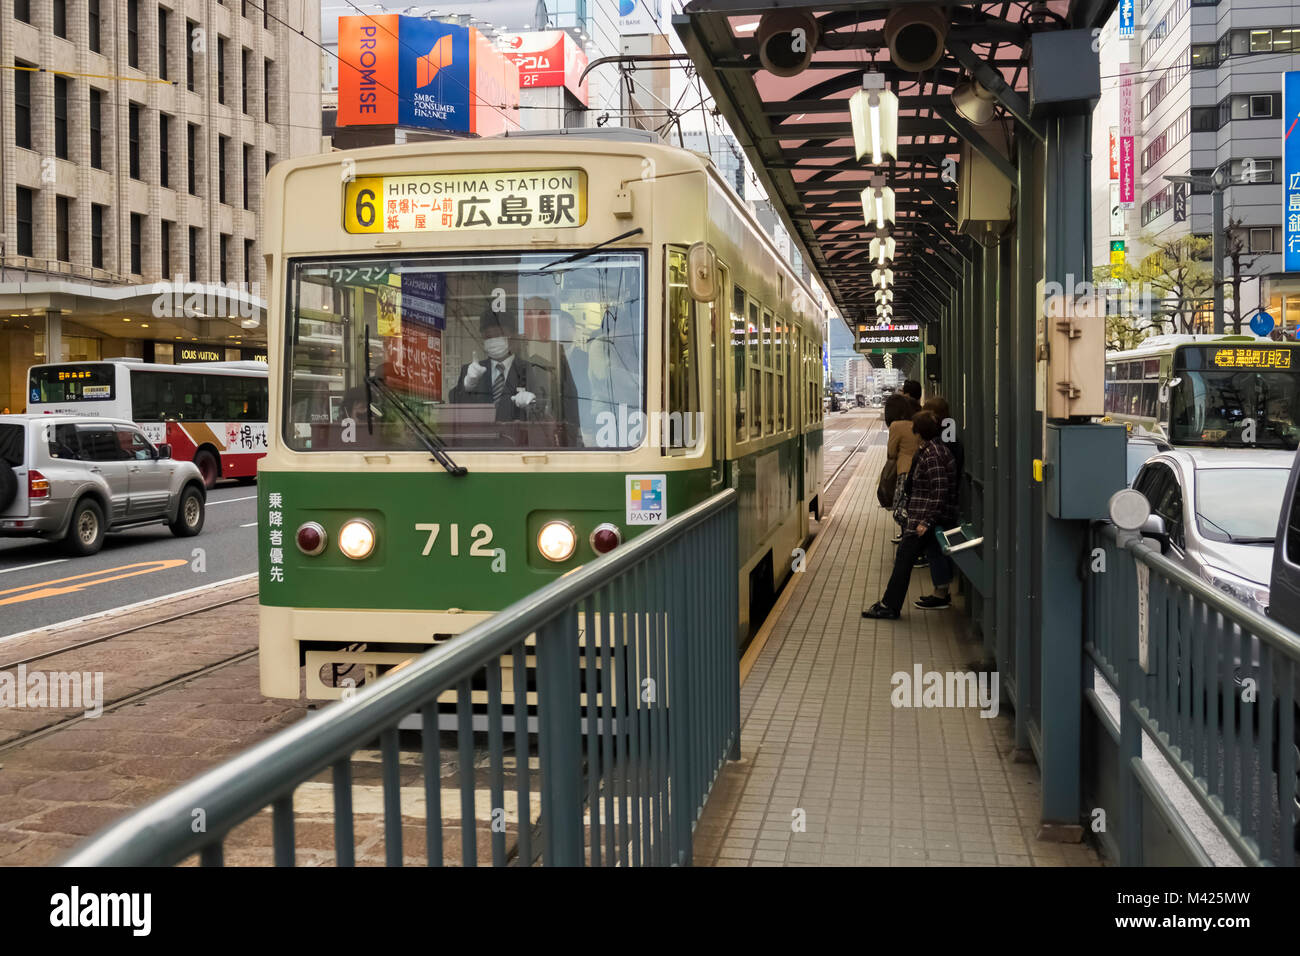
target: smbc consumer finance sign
<point>453,202</point>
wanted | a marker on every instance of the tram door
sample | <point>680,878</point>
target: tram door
<point>719,337</point>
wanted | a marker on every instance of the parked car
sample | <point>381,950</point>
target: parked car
<point>1215,511</point>
<point>75,479</point>
<point>1139,450</point>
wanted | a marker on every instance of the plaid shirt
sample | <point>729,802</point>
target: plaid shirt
<point>934,486</point>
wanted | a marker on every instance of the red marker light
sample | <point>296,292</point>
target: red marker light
<point>605,539</point>
<point>311,538</point>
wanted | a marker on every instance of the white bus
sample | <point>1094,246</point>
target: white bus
<point>211,413</point>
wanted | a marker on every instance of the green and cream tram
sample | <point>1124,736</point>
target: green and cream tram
<point>1209,390</point>
<point>494,360</point>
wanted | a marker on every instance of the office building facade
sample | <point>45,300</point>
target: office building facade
<point>136,138</point>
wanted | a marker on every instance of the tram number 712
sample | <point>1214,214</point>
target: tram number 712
<point>480,538</point>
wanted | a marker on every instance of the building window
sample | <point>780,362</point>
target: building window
<point>23,12</point>
<point>1253,171</point>
<point>248,260</point>
<point>223,143</point>
<point>194,253</point>
<point>266,14</point>
<point>61,117</point>
<point>1261,106</point>
<point>62,213</point>
<point>191,35</point>
<point>1261,239</point>
<point>61,18</point>
<point>1156,206</point>
<point>225,256</point>
<point>247,170</point>
<point>1204,56</point>
<point>1205,119</point>
<point>166,249</point>
<point>164,150</point>
<point>162,43</point>
<point>97,235</point>
<point>133,134</point>
<point>133,33</point>
<point>137,227</point>
<point>96,131</point>
<point>266,91</point>
<point>245,68</point>
<point>26,200</point>
<point>92,24</point>
<point>191,145</point>
<point>221,70</point>
<point>23,104</point>
<point>270,161</point>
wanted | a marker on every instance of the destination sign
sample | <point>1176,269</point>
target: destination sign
<point>1252,358</point>
<point>892,337</point>
<point>458,202</point>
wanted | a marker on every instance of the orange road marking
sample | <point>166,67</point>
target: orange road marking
<point>45,589</point>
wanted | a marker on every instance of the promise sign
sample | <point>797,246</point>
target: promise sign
<point>368,58</point>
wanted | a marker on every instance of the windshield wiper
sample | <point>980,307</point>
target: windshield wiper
<point>596,248</point>
<point>423,433</point>
<point>1221,531</point>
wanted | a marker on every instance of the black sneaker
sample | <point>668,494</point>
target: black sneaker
<point>896,539</point>
<point>931,602</point>
<point>922,562</point>
<point>881,611</point>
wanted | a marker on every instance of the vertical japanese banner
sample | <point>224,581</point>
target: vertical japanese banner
<point>1126,138</point>
<point>1291,171</point>
<point>1125,18</point>
<point>1114,154</point>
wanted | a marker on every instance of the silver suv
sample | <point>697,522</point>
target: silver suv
<point>75,479</point>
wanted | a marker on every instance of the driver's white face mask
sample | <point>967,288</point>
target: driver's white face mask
<point>497,348</point>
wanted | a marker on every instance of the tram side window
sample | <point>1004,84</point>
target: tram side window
<point>682,430</point>
<point>737,396</point>
<point>769,375</point>
<point>755,375</point>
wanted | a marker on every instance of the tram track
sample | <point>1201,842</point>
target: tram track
<point>135,698</point>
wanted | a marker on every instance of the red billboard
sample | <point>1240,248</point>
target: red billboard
<point>548,59</point>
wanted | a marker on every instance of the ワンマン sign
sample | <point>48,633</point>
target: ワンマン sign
<point>408,71</point>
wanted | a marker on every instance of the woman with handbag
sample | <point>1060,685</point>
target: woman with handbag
<point>903,445</point>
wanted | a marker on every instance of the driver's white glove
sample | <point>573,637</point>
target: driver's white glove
<point>523,398</point>
<point>473,374</point>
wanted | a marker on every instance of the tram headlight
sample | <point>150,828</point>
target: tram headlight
<point>311,538</point>
<point>557,541</point>
<point>357,539</point>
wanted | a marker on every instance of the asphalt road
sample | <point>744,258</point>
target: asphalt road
<point>40,585</point>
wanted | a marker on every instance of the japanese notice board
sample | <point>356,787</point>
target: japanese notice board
<point>454,202</point>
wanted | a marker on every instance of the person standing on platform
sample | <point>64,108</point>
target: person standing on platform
<point>932,476</point>
<point>900,450</point>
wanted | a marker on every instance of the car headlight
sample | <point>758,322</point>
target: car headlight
<point>357,539</point>
<point>557,540</point>
<point>1251,594</point>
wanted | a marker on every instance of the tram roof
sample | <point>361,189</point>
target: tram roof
<point>798,136</point>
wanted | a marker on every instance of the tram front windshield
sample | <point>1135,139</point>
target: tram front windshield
<point>490,352</point>
<point>1225,396</point>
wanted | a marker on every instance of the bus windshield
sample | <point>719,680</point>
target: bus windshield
<point>493,351</point>
<point>71,383</point>
<point>1216,402</point>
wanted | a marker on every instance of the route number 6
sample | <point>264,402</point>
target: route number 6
<point>480,536</point>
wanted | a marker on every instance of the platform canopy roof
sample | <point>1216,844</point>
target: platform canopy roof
<point>797,130</point>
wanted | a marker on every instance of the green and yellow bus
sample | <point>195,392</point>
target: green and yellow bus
<point>1207,390</point>
<point>494,360</point>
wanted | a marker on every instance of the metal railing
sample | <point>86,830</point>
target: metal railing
<point>1210,685</point>
<point>631,662</point>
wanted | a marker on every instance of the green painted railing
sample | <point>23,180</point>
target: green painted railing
<point>1205,683</point>
<point>627,670</point>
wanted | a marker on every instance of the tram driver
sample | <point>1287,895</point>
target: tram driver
<point>522,387</point>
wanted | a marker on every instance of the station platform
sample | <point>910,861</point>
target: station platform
<point>831,772</point>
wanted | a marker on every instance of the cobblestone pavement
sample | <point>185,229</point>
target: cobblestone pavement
<point>833,774</point>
